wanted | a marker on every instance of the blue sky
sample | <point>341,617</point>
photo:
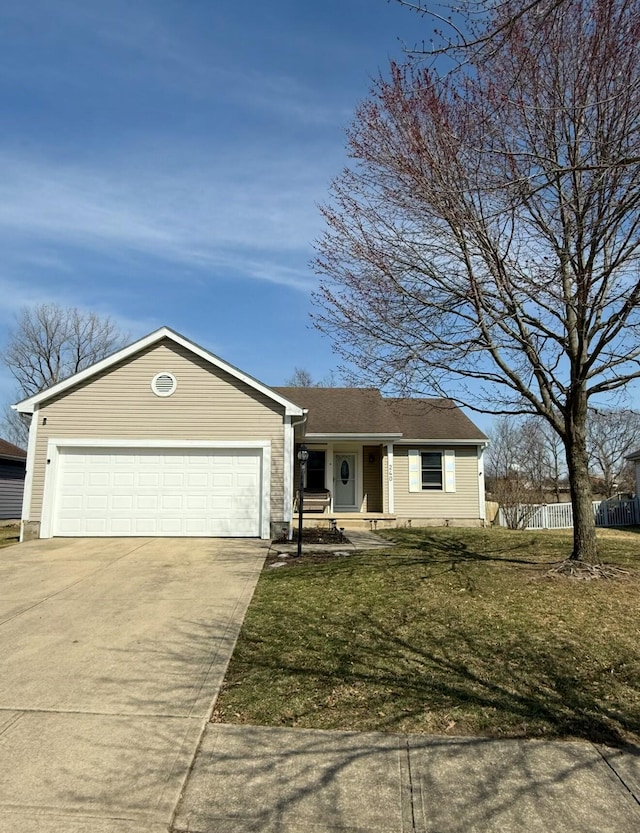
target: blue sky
<point>162,162</point>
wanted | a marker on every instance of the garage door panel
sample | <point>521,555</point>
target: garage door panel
<point>147,503</point>
<point>170,503</point>
<point>145,526</point>
<point>72,503</point>
<point>99,502</point>
<point>96,526</point>
<point>122,503</point>
<point>198,528</point>
<point>204,493</point>
<point>196,503</point>
<point>197,479</point>
<point>173,479</point>
<point>73,478</point>
<point>170,526</point>
<point>149,479</point>
<point>122,526</point>
<point>123,479</point>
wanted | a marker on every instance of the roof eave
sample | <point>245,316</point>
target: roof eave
<point>483,441</point>
<point>348,436</point>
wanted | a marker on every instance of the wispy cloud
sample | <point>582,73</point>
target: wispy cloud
<point>152,52</point>
<point>252,216</point>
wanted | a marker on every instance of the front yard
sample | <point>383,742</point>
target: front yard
<point>450,631</point>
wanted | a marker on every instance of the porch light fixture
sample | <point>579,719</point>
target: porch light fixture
<point>303,456</point>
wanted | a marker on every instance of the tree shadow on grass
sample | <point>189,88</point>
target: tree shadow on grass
<point>455,679</point>
<point>446,547</point>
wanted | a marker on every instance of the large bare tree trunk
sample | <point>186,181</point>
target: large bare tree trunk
<point>585,547</point>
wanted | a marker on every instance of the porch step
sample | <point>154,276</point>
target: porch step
<point>365,521</point>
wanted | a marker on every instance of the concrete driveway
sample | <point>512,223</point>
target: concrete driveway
<point>111,653</point>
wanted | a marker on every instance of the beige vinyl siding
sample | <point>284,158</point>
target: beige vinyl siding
<point>371,479</point>
<point>385,479</point>
<point>208,404</point>
<point>463,503</point>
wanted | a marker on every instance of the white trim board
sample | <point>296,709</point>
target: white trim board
<point>28,479</point>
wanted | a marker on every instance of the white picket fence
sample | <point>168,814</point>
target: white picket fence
<point>560,515</point>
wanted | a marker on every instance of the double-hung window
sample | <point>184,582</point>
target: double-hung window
<point>431,469</point>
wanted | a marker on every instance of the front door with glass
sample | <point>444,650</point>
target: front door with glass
<point>344,482</point>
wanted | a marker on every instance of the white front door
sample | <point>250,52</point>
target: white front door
<point>344,481</point>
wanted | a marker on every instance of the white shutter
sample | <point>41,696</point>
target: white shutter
<point>450,470</point>
<point>415,470</point>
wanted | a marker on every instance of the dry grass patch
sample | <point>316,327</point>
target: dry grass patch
<point>9,534</point>
<point>451,630</point>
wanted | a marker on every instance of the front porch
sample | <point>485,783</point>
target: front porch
<point>345,481</point>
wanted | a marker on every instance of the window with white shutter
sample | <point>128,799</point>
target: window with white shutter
<point>431,470</point>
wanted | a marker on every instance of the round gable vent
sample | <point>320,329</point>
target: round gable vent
<point>164,384</point>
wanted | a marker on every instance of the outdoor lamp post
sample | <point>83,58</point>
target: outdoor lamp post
<point>303,456</point>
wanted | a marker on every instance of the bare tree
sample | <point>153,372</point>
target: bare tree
<point>467,28</point>
<point>503,452</point>
<point>552,453</point>
<point>302,378</point>
<point>484,241</point>
<point>517,468</point>
<point>50,343</point>
<point>506,482</point>
<point>14,427</point>
<point>612,434</point>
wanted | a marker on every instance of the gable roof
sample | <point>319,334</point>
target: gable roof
<point>9,451</point>
<point>28,405</point>
<point>362,411</point>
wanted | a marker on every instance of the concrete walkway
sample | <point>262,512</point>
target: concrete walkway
<point>358,539</point>
<point>111,654</point>
<point>270,780</point>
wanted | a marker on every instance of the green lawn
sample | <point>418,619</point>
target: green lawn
<point>455,631</point>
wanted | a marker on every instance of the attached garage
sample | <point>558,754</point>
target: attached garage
<point>156,489</point>
<point>160,439</point>
<point>110,491</point>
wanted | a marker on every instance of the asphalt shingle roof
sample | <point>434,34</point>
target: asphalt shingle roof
<point>366,411</point>
<point>11,452</point>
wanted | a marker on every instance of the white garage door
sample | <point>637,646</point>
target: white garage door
<point>195,492</point>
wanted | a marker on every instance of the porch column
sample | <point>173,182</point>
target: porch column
<point>328,472</point>
<point>481,501</point>
<point>390,498</point>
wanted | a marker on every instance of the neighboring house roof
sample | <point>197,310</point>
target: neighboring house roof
<point>635,455</point>
<point>362,411</point>
<point>28,405</point>
<point>9,451</point>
